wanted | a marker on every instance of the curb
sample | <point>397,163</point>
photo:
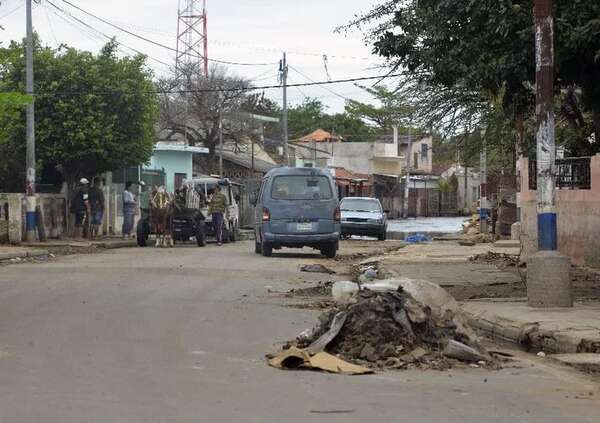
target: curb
<point>28,254</point>
<point>534,337</point>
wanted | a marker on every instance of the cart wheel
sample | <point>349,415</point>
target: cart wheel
<point>141,234</point>
<point>200,237</point>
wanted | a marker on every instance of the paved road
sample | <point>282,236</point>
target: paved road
<point>180,336</point>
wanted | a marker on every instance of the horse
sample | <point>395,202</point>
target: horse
<point>161,205</point>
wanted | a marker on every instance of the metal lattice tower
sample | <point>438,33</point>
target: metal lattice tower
<point>192,41</point>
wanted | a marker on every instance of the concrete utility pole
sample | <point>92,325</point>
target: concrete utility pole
<point>283,72</point>
<point>548,278</point>
<point>406,189</point>
<point>30,133</point>
<point>221,134</point>
<point>483,207</point>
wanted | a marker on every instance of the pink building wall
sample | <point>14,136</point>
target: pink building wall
<point>578,215</point>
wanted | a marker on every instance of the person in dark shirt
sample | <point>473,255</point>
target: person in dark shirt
<point>96,199</point>
<point>80,207</point>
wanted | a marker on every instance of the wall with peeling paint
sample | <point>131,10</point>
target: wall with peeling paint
<point>578,217</point>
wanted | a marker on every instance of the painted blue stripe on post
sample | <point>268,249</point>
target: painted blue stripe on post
<point>30,221</point>
<point>547,232</point>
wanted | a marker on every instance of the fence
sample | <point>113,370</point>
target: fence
<point>571,173</point>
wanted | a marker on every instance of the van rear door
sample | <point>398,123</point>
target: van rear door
<point>302,204</point>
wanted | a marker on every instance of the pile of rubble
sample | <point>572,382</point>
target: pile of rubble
<point>497,258</point>
<point>396,323</point>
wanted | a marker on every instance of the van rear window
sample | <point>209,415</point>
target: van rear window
<point>301,187</point>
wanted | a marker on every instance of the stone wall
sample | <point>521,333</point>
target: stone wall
<point>578,215</point>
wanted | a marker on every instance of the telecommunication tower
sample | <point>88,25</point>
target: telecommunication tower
<point>192,41</point>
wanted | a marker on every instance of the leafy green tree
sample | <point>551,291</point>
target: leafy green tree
<point>94,113</point>
<point>393,109</point>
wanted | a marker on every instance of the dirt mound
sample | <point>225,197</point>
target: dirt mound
<point>393,329</point>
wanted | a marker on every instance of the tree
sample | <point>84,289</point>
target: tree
<point>394,109</point>
<point>194,110</point>
<point>467,55</point>
<point>94,113</point>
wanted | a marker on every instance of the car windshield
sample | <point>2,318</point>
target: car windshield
<point>301,187</point>
<point>360,205</point>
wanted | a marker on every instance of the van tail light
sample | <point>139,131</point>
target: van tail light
<point>337,215</point>
<point>266,215</point>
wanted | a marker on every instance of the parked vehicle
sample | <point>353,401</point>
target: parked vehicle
<point>363,216</point>
<point>297,207</point>
<point>199,192</point>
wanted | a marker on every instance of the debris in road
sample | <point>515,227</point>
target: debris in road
<point>541,354</point>
<point>462,352</point>
<point>500,259</point>
<point>322,289</point>
<point>296,358</point>
<point>466,243</point>
<point>316,268</point>
<point>417,238</point>
<point>408,324</point>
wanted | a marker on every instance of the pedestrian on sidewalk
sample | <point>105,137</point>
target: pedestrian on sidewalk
<point>217,209</point>
<point>96,199</point>
<point>80,207</point>
<point>129,208</point>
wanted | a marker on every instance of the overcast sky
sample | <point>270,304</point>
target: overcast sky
<point>248,31</point>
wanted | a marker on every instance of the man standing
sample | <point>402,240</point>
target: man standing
<point>80,207</point>
<point>218,207</point>
<point>129,207</point>
<point>96,200</point>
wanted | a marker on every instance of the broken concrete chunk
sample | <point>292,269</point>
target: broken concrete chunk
<point>368,353</point>
<point>462,352</point>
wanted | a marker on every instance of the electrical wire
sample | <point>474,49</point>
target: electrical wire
<point>7,14</point>
<point>148,40</point>
<point>232,89</point>
<point>66,14</point>
<point>325,88</point>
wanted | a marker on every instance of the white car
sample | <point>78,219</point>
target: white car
<point>363,216</point>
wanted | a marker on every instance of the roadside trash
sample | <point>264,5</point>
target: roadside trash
<point>541,354</point>
<point>395,323</point>
<point>462,352</point>
<point>316,268</point>
<point>296,358</point>
<point>368,275</point>
<point>417,238</point>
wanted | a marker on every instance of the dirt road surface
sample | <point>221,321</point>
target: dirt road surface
<point>152,335</point>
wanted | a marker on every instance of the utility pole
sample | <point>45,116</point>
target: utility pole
<point>483,207</point>
<point>407,181</point>
<point>221,134</point>
<point>283,72</point>
<point>30,213</point>
<point>548,272</point>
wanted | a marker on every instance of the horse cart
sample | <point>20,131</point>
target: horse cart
<point>173,219</point>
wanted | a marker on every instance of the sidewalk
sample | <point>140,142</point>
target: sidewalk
<point>555,330</point>
<point>107,243</point>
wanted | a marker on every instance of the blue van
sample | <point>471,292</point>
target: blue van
<point>297,207</point>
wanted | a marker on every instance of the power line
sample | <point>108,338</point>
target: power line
<point>7,14</point>
<point>86,25</point>
<point>325,88</point>
<point>232,89</point>
<point>148,40</point>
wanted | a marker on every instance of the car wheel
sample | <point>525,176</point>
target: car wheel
<point>267,249</point>
<point>329,250</point>
<point>257,247</point>
<point>382,236</point>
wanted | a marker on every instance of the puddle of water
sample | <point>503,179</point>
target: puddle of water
<point>432,226</point>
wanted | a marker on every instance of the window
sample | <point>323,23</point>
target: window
<point>424,151</point>
<point>357,205</point>
<point>416,157</point>
<point>300,187</point>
